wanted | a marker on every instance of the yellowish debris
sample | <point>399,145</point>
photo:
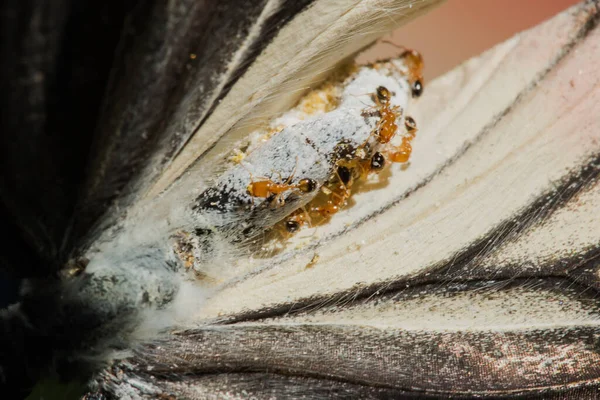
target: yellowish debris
<point>271,132</point>
<point>237,157</point>
<point>313,261</point>
<point>183,249</point>
<point>325,98</point>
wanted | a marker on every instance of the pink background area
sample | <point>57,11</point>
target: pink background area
<point>460,29</point>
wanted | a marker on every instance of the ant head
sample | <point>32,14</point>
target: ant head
<point>377,161</point>
<point>292,226</point>
<point>417,88</point>
<point>410,124</point>
<point>383,94</point>
<point>307,185</point>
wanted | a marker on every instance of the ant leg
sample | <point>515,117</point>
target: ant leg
<point>252,180</point>
<point>341,199</point>
<point>371,111</point>
<point>307,216</point>
<point>278,201</point>
<point>289,179</point>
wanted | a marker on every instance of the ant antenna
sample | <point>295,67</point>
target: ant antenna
<point>247,170</point>
<point>289,179</point>
<point>363,94</point>
<point>393,44</point>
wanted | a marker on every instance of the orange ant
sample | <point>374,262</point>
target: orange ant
<point>266,188</point>
<point>402,153</point>
<point>414,62</point>
<point>336,201</point>
<point>386,126</point>
<point>360,168</point>
<point>338,193</point>
<point>338,189</point>
<point>334,204</point>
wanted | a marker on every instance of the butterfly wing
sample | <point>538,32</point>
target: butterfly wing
<point>474,274</point>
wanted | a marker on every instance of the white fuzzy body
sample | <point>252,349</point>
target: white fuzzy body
<point>221,221</point>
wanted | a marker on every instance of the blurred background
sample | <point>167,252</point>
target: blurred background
<point>460,29</point>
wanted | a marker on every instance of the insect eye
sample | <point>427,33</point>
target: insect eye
<point>292,226</point>
<point>417,88</point>
<point>410,124</point>
<point>377,161</point>
<point>307,185</point>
